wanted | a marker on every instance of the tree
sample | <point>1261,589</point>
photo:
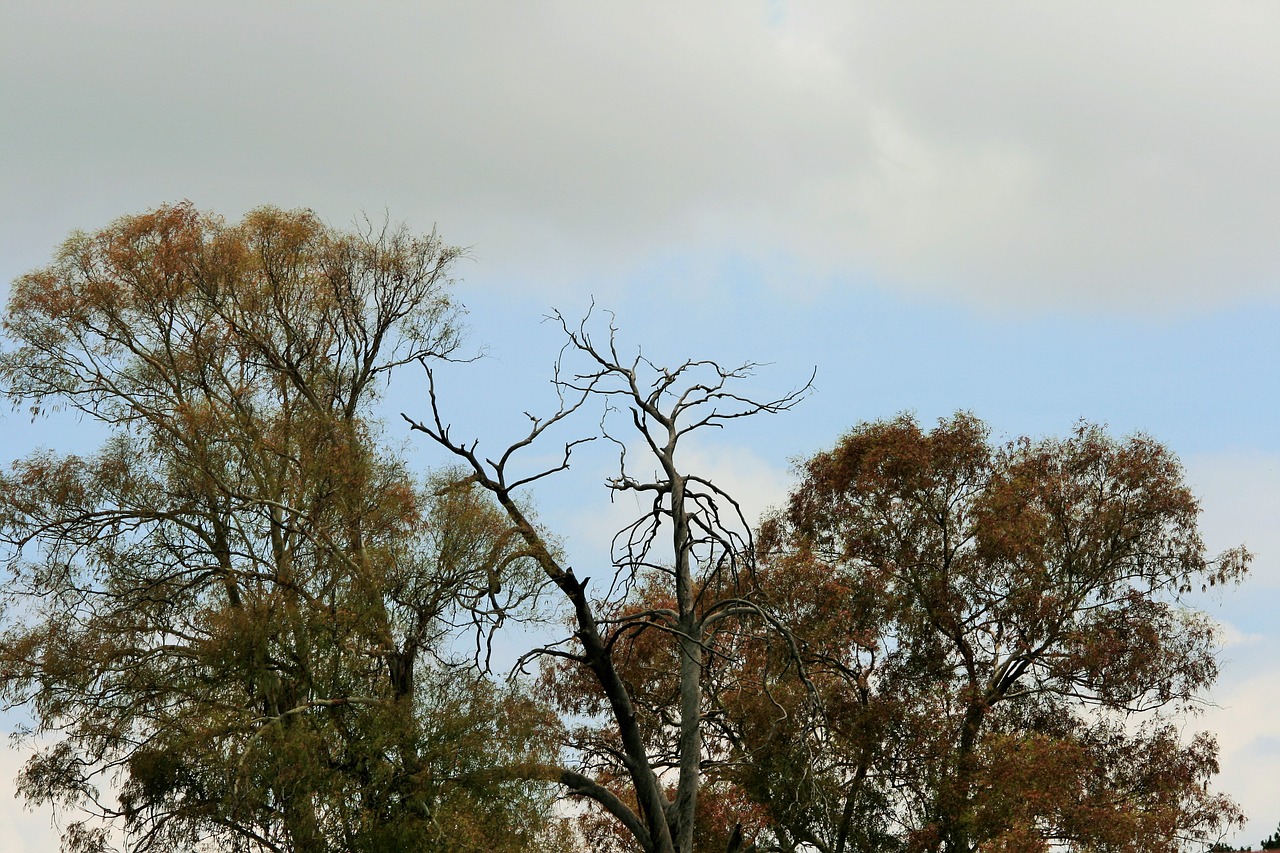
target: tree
<point>643,765</point>
<point>236,612</point>
<point>1272,843</point>
<point>991,639</point>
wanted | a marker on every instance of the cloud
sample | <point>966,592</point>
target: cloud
<point>1028,155</point>
<point>1248,732</point>
<point>22,830</point>
<point>756,484</point>
<point>1240,495</point>
<point>1231,636</point>
<point>1090,154</point>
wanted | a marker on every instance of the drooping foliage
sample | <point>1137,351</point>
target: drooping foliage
<point>994,639</point>
<point>233,613</point>
<point>960,647</point>
<point>235,624</point>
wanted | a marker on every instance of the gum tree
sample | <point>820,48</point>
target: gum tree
<point>996,643</point>
<point>232,612</point>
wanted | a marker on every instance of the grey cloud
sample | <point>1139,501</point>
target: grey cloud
<point>1034,155</point>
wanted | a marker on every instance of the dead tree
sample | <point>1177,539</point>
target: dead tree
<point>692,538</point>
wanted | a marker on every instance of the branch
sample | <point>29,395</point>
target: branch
<point>578,785</point>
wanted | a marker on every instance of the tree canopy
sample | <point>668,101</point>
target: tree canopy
<point>967,647</point>
<point>232,612</point>
<point>235,625</point>
<point>991,636</point>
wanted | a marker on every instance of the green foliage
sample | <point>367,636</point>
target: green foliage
<point>235,612</point>
<point>232,623</point>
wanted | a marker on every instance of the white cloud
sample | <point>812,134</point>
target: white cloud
<point>22,830</point>
<point>751,480</point>
<point>1239,493</point>
<point>1232,637</point>
<point>1087,155</point>
<point>1248,731</point>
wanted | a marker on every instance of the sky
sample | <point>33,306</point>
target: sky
<point>1037,212</point>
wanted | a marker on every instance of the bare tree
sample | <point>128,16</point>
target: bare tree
<point>644,769</point>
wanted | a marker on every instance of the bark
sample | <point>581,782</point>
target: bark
<point>678,401</point>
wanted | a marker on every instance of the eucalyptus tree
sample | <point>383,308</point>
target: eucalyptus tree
<point>227,623</point>
<point>1000,644</point>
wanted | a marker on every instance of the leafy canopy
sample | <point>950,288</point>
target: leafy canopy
<point>235,613</point>
<point>968,647</point>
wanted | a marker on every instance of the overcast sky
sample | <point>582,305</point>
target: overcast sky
<point>1039,212</point>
